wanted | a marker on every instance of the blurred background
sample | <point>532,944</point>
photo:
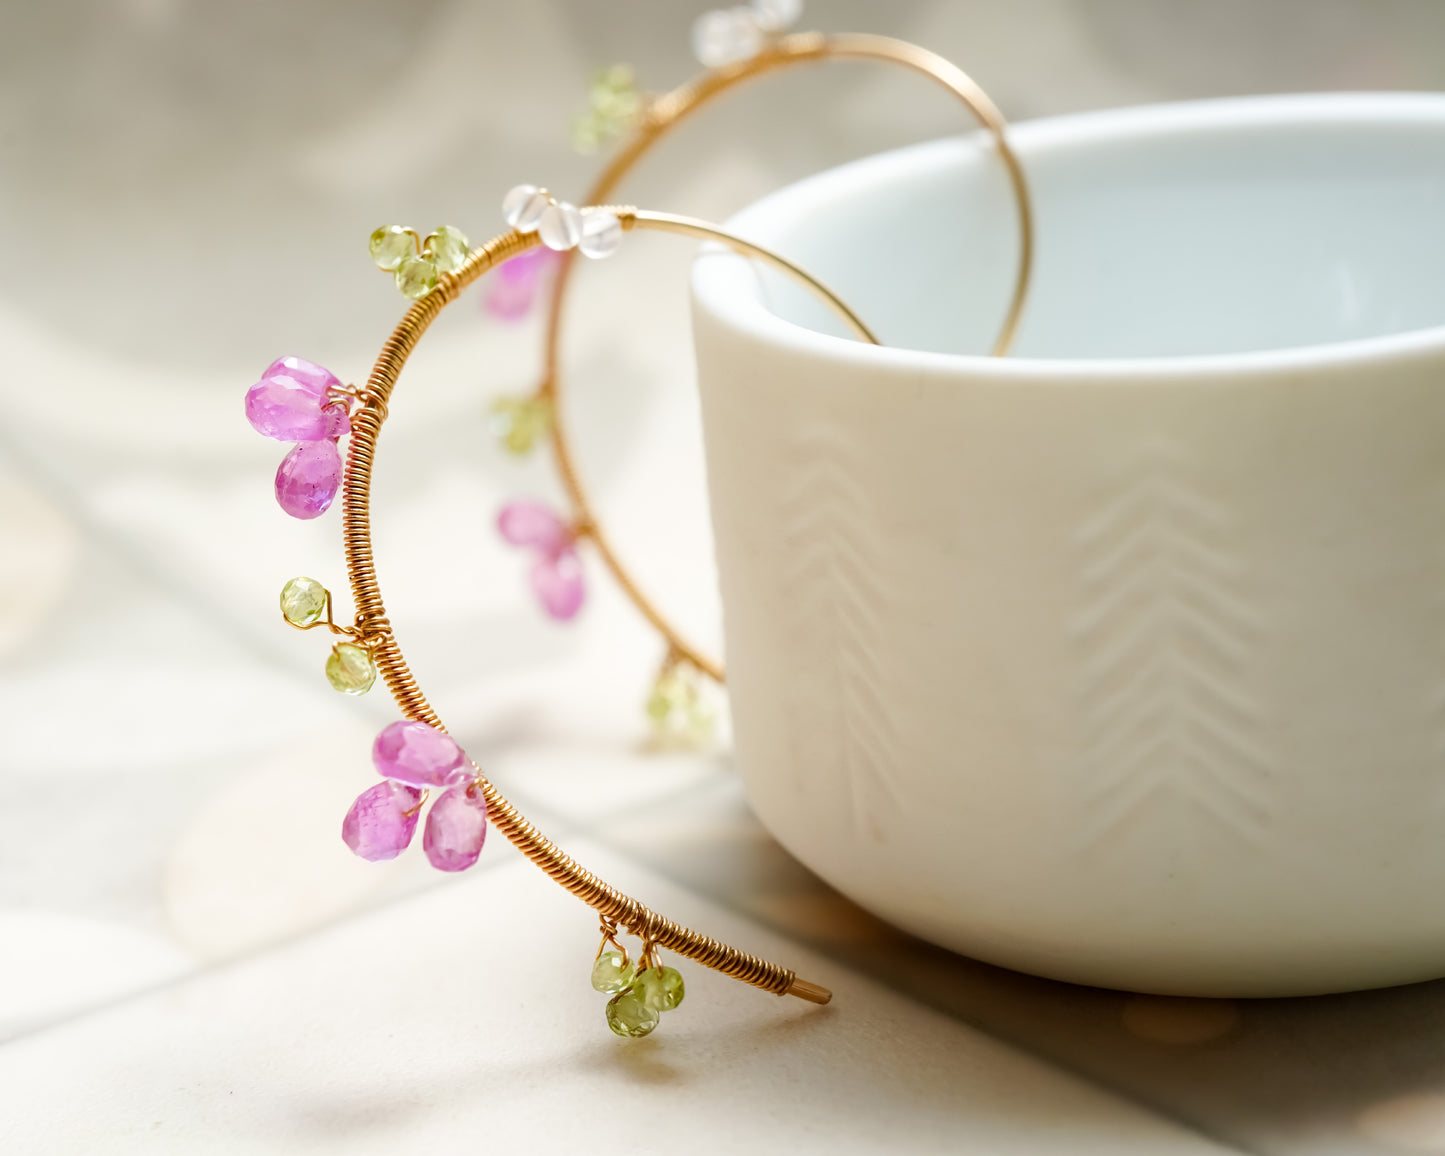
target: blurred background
<point>188,187</point>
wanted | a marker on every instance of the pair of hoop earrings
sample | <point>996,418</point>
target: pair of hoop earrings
<point>300,402</point>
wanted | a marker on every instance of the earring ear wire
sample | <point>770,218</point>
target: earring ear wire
<point>739,44</point>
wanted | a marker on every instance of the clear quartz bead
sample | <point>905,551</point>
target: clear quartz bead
<point>523,207</point>
<point>776,15</point>
<point>560,226</point>
<point>532,214</point>
<point>601,233</point>
<point>515,201</point>
<point>725,36</point>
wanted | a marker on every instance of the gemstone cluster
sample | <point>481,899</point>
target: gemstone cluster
<point>680,715</point>
<point>520,422</point>
<point>350,669</point>
<point>298,401</point>
<point>728,35</point>
<point>640,991</point>
<point>614,105</point>
<point>418,262</point>
<point>556,574</point>
<point>593,232</point>
<point>413,759</point>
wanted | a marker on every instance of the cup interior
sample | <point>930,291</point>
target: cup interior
<point>1220,227</point>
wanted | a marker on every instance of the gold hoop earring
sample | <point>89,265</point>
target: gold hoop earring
<point>298,400</point>
<point>766,50</point>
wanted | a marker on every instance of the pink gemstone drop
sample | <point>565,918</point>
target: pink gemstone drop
<point>456,828</point>
<point>286,404</point>
<point>336,419</point>
<point>381,822</point>
<point>525,523</point>
<point>308,479</point>
<point>514,287</point>
<point>306,374</point>
<point>412,752</point>
<point>557,581</point>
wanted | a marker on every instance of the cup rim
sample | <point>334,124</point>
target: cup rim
<point>716,271</point>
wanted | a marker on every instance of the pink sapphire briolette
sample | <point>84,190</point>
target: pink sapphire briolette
<point>289,403</point>
<point>420,755</point>
<point>456,828</point>
<point>381,822</point>
<point>556,577</point>
<point>557,581</point>
<point>308,479</point>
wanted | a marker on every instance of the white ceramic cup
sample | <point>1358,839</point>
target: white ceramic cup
<point>1121,660</point>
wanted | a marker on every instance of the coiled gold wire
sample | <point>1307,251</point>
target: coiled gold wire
<point>373,628</point>
<point>664,113</point>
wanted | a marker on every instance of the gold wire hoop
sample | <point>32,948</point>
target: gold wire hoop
<point>373,628</point>
<point>660,115</point>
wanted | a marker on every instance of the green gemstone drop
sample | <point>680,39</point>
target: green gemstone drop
<point>612,972</point>
<point>587,134</point>
<point>613,105</point>
<point>677,709</point>
<point>660,988</point>
<point>350,669</point>
<point>416,277</point>
<point>669,694</point>
<point>303,601</point>
<point>699,725</point>
<point>390,246</point>
<point>520,422</point>
<point>629,1016</point>
<point>449,248</point>
<point>614,96</point>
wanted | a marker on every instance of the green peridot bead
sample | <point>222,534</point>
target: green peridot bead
<point>629,1016</point>
<point>390,246</point>
<point>669,694</point>
<point>350,669</point>
<point>449,248</point>
<point>519,422</point>
<point>698,728</point>
<point>660,988</point>
<point>613,105</point>
<point>614,96</point>
<point>416,277</point>
<point>678,711</point>
<point>303,601</point>
<point>587,133</point>
<point>612,972</point>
